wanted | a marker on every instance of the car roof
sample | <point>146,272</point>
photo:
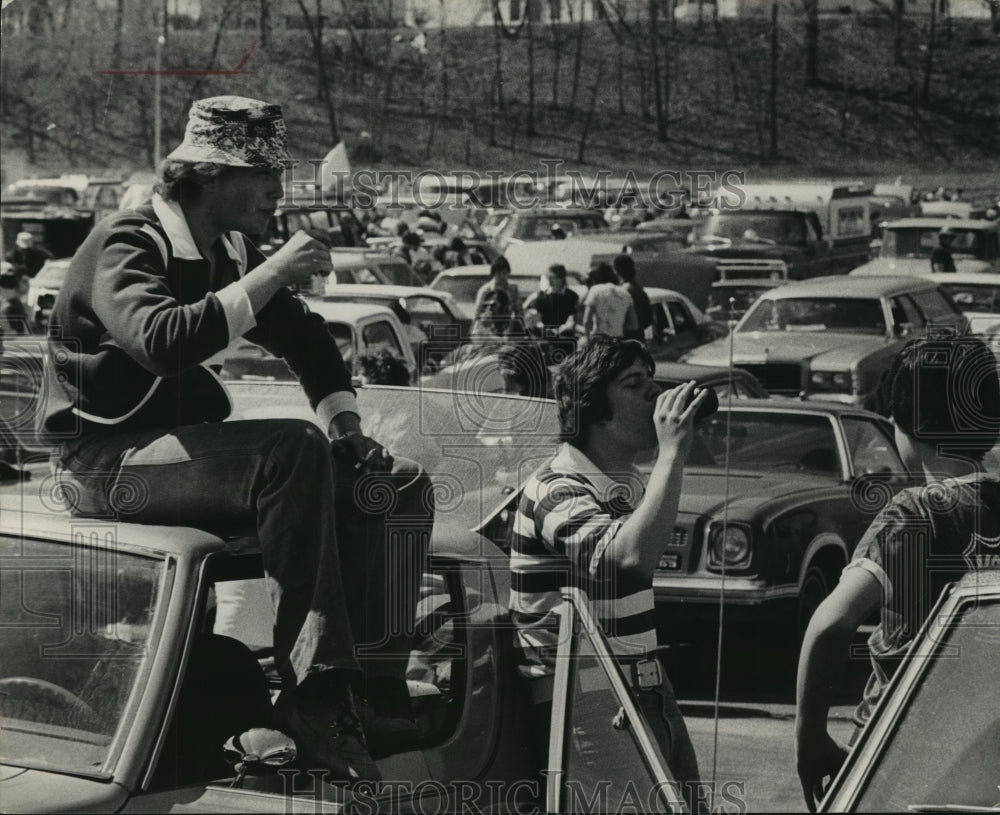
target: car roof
<point>965,278</point>
<point>476,270</point>
<point>748,282</point>
<point>817,406</point>
<point>346,312</point>
<point>937,222</point>
<point>867,286</point>
<point>337,291</point>
<point>682,371</point>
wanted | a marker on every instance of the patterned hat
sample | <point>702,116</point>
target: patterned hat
<point>234,131</point>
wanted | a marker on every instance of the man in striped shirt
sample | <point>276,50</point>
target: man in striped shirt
<point>586,520</point>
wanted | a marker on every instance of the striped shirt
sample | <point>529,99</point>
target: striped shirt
<point>568,515</point>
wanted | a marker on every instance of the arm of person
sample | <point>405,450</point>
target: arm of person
<point>825,649</point>
<point>640,541</point>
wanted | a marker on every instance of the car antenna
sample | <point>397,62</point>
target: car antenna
<point>725,529</point>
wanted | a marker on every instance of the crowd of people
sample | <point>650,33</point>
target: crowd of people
<point>153,293</point>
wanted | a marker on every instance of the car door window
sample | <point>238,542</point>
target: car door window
<point>681,317</point>
<point>601,746</point>
<point>906,317</point>
<point>871,449</point>
<point>427,311</point>
<point>935,306</point>
<point>364,275</point>
<point>380,336</point>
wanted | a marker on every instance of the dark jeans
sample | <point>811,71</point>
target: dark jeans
<point>276,478</point>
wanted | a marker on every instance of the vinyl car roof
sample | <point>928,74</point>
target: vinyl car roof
<point>861,286</point>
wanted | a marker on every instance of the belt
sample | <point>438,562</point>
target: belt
<point>645,674</point>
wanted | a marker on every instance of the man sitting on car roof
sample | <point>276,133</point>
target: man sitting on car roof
<point>584,520</point>
<point>149,298</point>
<point>944,399</point>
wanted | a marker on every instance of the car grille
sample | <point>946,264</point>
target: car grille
<point>781,379</point>
<point>749,269</point>
<point>679,538</point>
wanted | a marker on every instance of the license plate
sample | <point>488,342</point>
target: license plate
<point>670,562</point>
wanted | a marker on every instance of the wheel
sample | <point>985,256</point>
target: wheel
<point>813,591</point>
<point>36,700</point>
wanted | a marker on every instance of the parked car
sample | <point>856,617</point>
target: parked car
<point>434,313</point>
<point>525,226</point>
<point>933,743</point>
<point>679,326</point>
<point>369,266</point>
<point>907,245</point>
<point>360,329</point>
<point>977,295</point>
<point>337,221</point>
<point>45,286</point>
<point>824,339</point>
<point>724,381</point>
<point>116,695</point>
<point>742,292</point>
<point>784,522</point>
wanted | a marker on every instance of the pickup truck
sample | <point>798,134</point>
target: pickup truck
<point>117,692</point>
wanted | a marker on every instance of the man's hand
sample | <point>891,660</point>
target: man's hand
<point>673,416</point>
<point>303,256</point>
<point>817,760</point>
<point>369,455</point>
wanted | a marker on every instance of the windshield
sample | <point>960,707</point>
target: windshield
<point>848,314</point>
<point>788,443</point>
<point>978,297</point>
<point>920,242</point>
<point>398,274</point>
<point>755,227</point>
<point>958,702</point>
<point>718,300</point>
<point>76,627</point>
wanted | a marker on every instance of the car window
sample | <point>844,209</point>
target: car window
<point>871,449</point>
<point>462,287</point>
<point>680,315</point>
<point>380,336</point>
<point>957,701</point>
<point>905,313</point>
<point>396,274</point>
<point>981,297</point>
<point>363,275</point>
<point>848,314</point>
<point>427,310</point>
<point>76,632</point>
<point>342,333</point>
<point>935,306</point>
<point>777,442</point>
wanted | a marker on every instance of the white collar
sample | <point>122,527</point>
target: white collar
<point>172,219</point>
<point>571,461</point>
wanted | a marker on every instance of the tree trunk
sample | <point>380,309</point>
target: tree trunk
<point>668,66</point>
<point>926,91</point>
<point>444,60</point>
<point>497,41</point>
<point>265,23</point>
<point>577,62</point>
<point>588,121</point>
<point>530,124</point>
<point>812,42</point>
<point>555,25</point>
<point>323,85</point>
<point>773,113</point>
<point>898,17</point>
<point>654,44</point>
<point>620,70</point>
<point>720,34</point>
<point>116,48</point>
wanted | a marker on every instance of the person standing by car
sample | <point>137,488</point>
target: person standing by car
<point>14,317</point>
<point>151,295</point>
<point>941,257</point>
<point>27,257</point>
<point>944,399</point>
<point>499,281</point>
<point>607,308</point>
<point>585,520</point>
<point>624,267</point>
<point>556,305</point>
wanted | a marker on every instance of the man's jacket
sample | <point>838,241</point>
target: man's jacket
<point>134,325</point>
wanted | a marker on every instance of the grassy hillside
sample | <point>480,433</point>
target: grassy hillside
<point>864,117</point>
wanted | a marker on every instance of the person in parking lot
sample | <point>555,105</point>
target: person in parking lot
<point>151,295</point>
<point>556,305</point>
<point>944,399</point>
<point>499,281</point>
<point>941,257</point>
<point>585,520</point>
<point>14,317</point>
<point>27,256</point>
<point>624,267</point>
<point>607,308</point>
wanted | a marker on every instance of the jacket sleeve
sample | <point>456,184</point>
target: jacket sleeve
<point>142,316</point>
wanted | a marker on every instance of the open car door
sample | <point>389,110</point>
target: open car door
<point>618,766</point>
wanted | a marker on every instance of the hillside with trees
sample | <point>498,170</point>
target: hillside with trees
<point>796,94</point>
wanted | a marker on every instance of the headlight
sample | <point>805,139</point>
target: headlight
<point>730,545</point>
<point>839,382</point>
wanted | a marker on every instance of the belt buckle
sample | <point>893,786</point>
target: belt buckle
<point>647,674</point>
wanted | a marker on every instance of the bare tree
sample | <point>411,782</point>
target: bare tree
<point>264,20</point>
<point>577,61</point>
<point>589,120</point>
<point>773,107</point>
<point>654,46</point>
<point>898,21</point>
<point>926,90</point>
<point>555,26</point>
<point>530,124</point>
<point>119,26</point>
<point>323,86</point>
<point>812,41</point>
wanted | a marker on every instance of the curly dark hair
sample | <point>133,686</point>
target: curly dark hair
<point>946,391</point>
<point>582,380</point>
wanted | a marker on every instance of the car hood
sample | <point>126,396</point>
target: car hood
<point>705,487</point>
<point>37,791</point>
<point>916,266</point>
<point>758,348</point>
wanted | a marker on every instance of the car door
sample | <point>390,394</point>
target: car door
<point>680,331</point>
<point>589,685</point>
